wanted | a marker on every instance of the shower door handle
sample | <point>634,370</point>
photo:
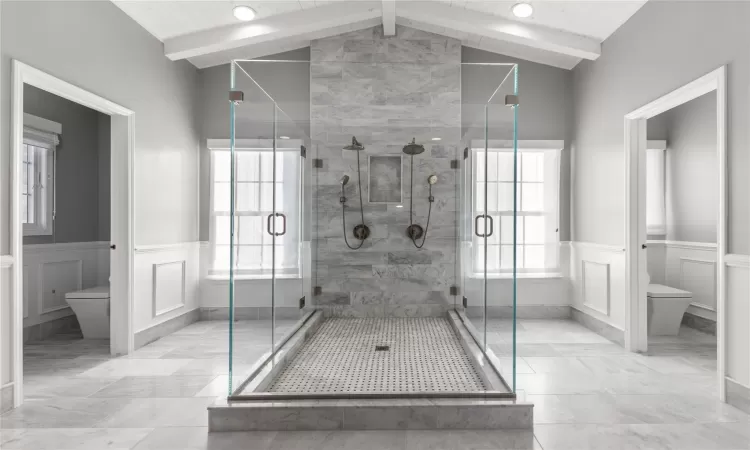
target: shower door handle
<point>476,226</point>
<point>492,226</point>
<point>268,224</point>
<point>283,219</point>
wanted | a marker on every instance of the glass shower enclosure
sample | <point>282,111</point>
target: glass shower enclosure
<point>279,197</point>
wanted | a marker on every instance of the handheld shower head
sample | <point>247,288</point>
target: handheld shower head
<point>344,180</point>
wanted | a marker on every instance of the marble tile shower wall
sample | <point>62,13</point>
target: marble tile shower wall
<point>385,91</point>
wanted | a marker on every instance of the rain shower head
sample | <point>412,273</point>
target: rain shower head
<point>432,179</point>
<point>413,148</point>
<point>355,145</point>
<point>344,180</point>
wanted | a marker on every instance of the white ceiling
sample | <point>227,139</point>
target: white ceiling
<point>593,18</point>
<point>206,33</point>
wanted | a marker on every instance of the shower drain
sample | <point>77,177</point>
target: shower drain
<point>410,355</point>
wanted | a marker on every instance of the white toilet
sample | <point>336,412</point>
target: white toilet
<point>666,306</point>
<point>91,307</point>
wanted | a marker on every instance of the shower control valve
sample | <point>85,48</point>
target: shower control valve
<point>342,199</point>
<point>431,199</point>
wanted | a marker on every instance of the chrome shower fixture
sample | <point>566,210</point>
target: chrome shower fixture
<point>413,148</point>
<point>415,231</point>
<point>355,145</point>
<point>361,231</point>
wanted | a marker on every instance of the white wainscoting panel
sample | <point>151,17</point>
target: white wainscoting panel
<point>169,287</point>
<point>52,270</point>
<point>595,286</point>
<point>598,278</point>
<point>166,283</point>
<point>737,318</point>
<point>57,279</point>
<point>690,266</point>
<point>6,322</point>
<point>699,277</point>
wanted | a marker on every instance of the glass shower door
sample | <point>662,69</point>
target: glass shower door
<point>506,230</point>
<point>255,222</point>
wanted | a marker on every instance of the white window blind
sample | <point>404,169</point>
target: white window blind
<point>254,202</point>
<point>656,210</point>
<point>37,181</point>
<point>537,217</point>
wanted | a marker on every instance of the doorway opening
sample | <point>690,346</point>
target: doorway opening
<point>71,218</point>
<point>676,226</point>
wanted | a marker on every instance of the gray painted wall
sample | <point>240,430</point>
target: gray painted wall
<point>104,160</point>
<point>546,110</point>
<point>78,183</point>
<point>692,185</point>
<point>655,52</point>
<point>366,85</point>
<point>288,83</point>
<point>96,46</point>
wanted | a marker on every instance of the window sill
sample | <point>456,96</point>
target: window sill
<point>520,276</point>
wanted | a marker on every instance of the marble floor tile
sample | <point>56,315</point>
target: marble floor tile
<point>714,436</point>
<point>219,386</point>
<point>155,387</point>
<point>62,413</point>
<point>73,438</point>
<point>198,438</point>
<point>676,365</point>
<point>160,412</point>
<point>588,393</point>
<point>37,387</point>
<point>471,440</point>
<point>127,367</point>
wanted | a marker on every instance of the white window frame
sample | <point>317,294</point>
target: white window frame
<point>552,241</point>
<point>656,189</point>
<point>42,133</point>
<point>257,145</point>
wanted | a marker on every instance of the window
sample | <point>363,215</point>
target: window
<point>37,182</point>
<point>537,210</point>
<point>254,200</point>
<point>656,210</point>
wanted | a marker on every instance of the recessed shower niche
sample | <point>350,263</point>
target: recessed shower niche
<point>385,180</point>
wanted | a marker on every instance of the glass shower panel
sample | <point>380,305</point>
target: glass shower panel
<point>291,264</point>
<point>507,230</point>
<point>248,228</point>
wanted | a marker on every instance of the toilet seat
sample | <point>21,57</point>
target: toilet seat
<point>99,292</point>
<point>661,291</point>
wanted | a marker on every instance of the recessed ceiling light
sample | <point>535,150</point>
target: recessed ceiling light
<point>437,139</point>
<point>244,13</point>
<point>522,10</point>
<point>283,137</point>
<point>399,206</point>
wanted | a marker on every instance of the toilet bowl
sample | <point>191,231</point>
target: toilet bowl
<point>91,307</point>
<point>666,306</point>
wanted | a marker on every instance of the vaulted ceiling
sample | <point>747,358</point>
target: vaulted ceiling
<point>560,32</point>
